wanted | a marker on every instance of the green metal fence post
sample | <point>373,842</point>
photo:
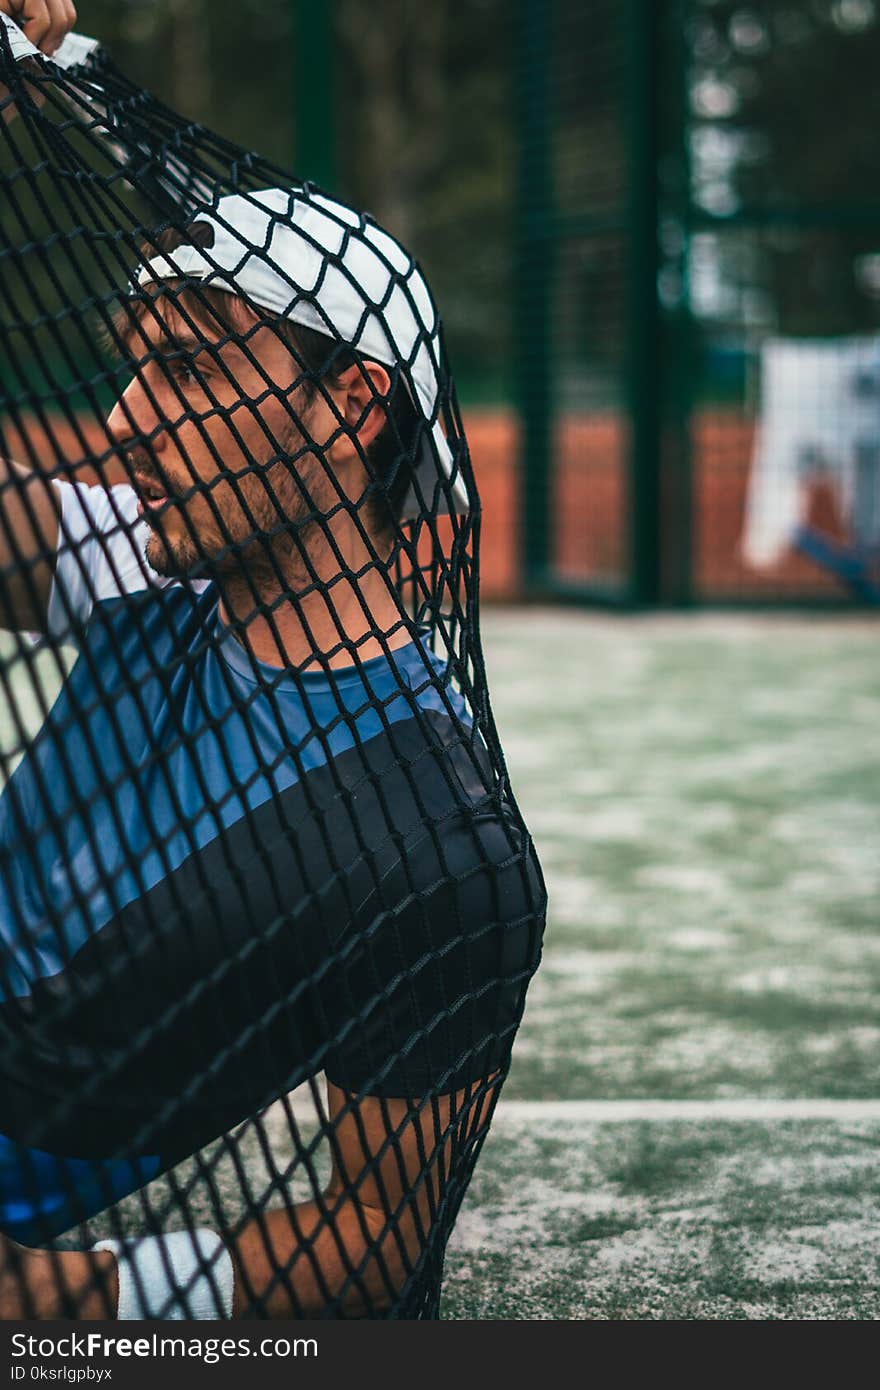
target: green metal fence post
<point>534,287</point>
<point>643,309</point>
<point>314,92</point>
<point>681,352</point>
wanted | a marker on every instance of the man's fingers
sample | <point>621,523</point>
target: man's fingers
<point>35,20</point>
<point>45,22</point>
<point>62,16</point>
<point>53,16</point>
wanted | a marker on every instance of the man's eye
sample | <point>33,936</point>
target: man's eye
<point>184,372</point>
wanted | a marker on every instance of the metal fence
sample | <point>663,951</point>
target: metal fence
<point>698,281</point>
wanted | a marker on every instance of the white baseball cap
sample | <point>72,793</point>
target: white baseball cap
<point>303,256</point>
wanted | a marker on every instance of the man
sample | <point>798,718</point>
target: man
<point>259,835</point>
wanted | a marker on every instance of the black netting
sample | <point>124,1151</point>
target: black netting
<point>257,830</point>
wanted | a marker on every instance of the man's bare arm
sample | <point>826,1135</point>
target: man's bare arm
<point>29,513</point>
<point>28,508</point>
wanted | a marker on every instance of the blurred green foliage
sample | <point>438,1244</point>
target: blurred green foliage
<point>783,107</point>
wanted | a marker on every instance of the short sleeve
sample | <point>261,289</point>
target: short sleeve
<point>437,980</point>
<point>101,544</point>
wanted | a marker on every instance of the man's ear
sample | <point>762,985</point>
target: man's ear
<point>360,392</point>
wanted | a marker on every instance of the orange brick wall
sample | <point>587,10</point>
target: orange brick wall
<point>589,506</point>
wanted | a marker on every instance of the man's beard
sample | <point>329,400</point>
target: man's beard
<point>270,553</point>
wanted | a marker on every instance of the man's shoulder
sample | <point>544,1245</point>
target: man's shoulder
<point>147,630</point>
<point>101,557</point>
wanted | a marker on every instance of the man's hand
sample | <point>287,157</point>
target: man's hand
<point>45,22</point>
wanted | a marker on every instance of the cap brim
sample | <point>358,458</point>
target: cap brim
<point>436,462</point>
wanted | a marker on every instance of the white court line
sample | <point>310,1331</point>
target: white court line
<point>521,1112</point>
<point>518,1112</point>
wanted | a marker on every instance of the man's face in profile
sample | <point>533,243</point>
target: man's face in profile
<point>218,452</point>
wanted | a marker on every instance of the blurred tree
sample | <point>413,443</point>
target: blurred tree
<point>785,106</point>
<point>795,88</point>
<point>189,43</point>
<point>227,63</point>
<point>425,142</point>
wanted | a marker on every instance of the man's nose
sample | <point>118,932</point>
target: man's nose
<point>136,417</point>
